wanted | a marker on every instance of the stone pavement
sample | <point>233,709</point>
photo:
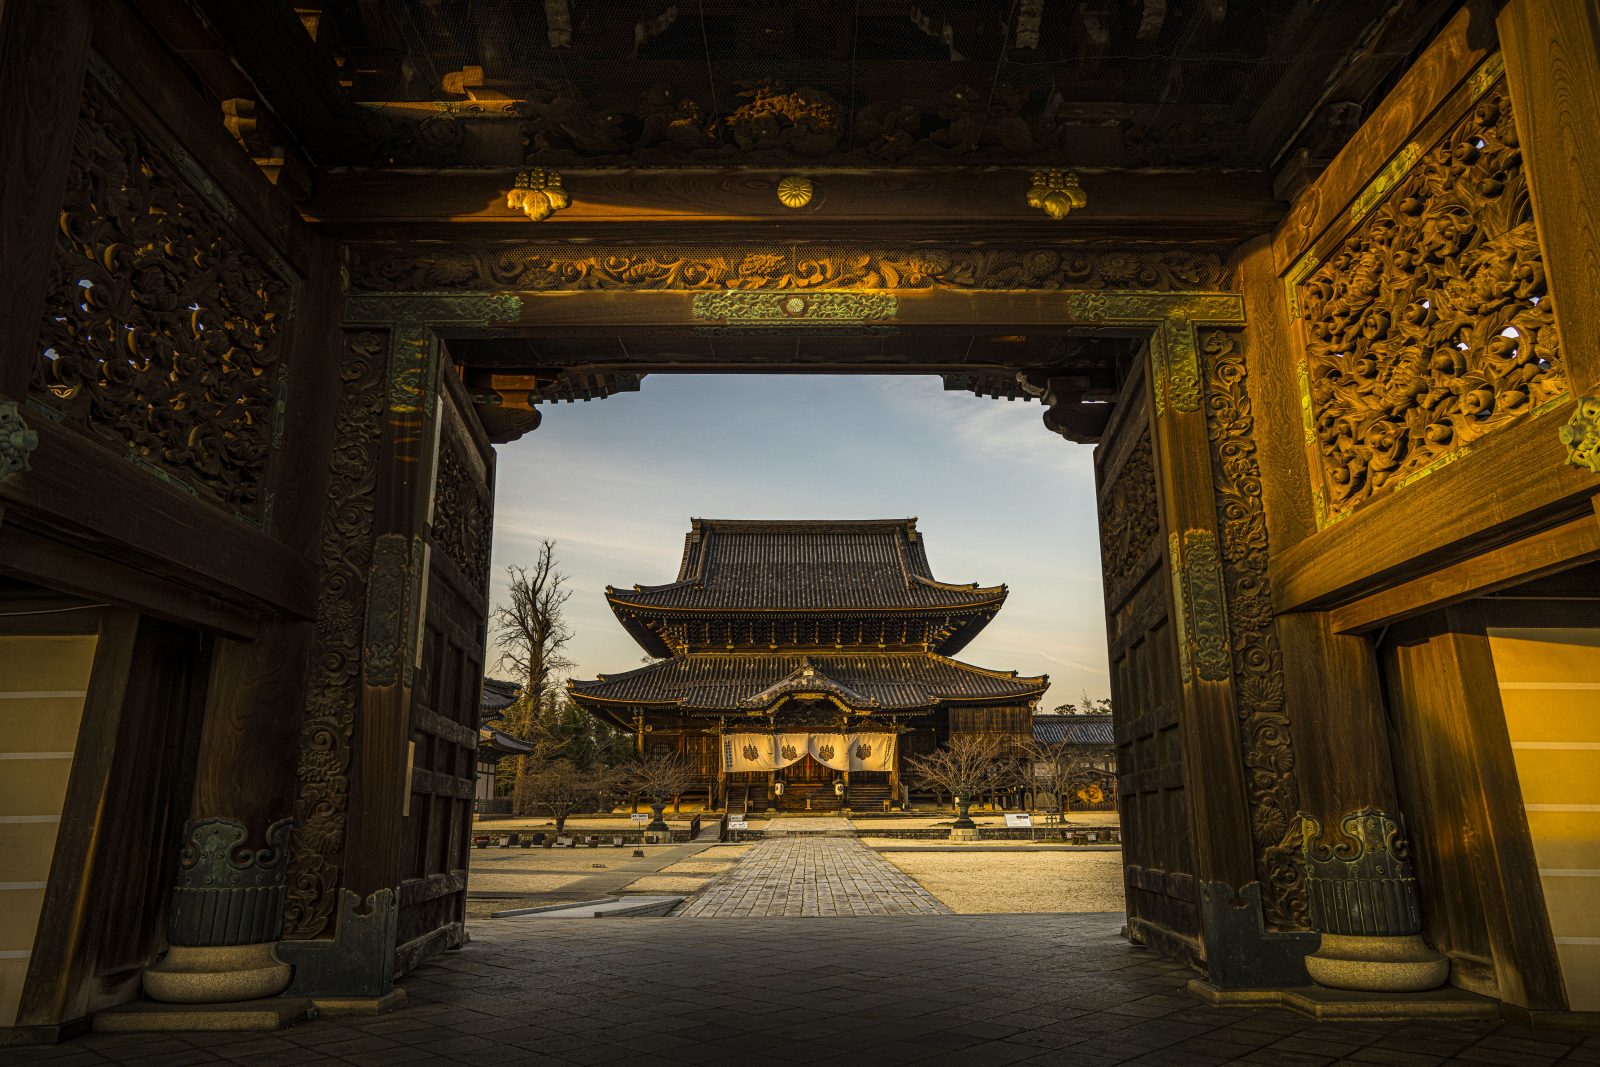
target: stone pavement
<point>949,989</point>
<point>781,825</point>
<point>812,876</point>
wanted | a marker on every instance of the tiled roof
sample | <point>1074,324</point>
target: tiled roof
<point>805,565</point>
<point>500,743</point>
<point>1074,729</point>
<point>730,681</point>
<point>497,695</point>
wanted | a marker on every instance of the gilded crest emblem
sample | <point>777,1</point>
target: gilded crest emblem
<point>825,753</point>
<point>863,750</point>
<point>790,753</point>
<point>752,753</point>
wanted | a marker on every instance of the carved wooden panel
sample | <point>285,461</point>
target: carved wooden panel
<point>1430,324</point>
<point>1253,653</point>
<point>1129,521</point>
<point>162,332</point>
<point>322,800</point>
<point>462,509</point>
<point>547,267</point>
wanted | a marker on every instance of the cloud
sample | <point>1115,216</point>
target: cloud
<point>996,429</point>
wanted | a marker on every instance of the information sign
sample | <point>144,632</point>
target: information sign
<point>1021,819</point>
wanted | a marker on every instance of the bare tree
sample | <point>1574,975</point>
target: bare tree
<point>529,629</point>
<point>560,788</point>
<point>658,778</point>
<point>968,766</point>
<point>1065,771</point>
<point>531,634</point>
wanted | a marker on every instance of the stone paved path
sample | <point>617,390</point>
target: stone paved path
<point>812,876</point>
<point>781,825</point>
<point>948,989</point>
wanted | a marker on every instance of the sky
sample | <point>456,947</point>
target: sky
<point>998,497</point>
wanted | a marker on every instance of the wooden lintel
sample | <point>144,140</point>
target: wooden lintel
<point>1460,510</point>
<point>1556,549</point>
<point>1130,312</point>
<point>1221,205</point>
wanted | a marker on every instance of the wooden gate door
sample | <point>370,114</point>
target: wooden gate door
<point>1158,854</point>
<point>447,693</point>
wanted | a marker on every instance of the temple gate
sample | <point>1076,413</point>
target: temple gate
<point>259,336</point>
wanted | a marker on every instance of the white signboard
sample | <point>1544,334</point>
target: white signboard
<point>639,816</point>
<point>1022,819</point>
<point>738,824</point>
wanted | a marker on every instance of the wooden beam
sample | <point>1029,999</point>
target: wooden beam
<point>1453,55</point>
<point>158,95</point>
<point>708,203</point>
<point>82,493</point>
<point>1513,481</point>
<point>66,567</point>
<point>290,73</point>
<point>1568,545</point>
<point>1297,98</point>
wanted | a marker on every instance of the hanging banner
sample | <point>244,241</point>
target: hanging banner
<point>842,752</point>
<point>873,752</point>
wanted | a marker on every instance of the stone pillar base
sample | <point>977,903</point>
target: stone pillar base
<point>216,974</point>
<point>1403,964</point>
<point>960,834</point>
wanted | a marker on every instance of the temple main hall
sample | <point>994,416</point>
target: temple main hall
<point>803,662</point>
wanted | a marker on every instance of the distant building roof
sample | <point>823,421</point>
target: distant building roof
<point>757,565</point>
<point>497,696</point>
<point>492,744</point>
<point>1093,730</point>
<point>882,680</point>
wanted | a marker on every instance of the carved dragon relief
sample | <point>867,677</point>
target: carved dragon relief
<point>1430,324</point>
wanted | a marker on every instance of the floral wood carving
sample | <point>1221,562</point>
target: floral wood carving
<point>1257,661</point>
<point>462,513</point>
<point>1129,522</point>
<point>549,268</point>
<point>162,331</point>
<point>346,552</point>
<point>1581,434</point>
<point>1430,325</point>
<point>17,442</point>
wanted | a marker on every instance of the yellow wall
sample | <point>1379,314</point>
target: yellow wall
<point>42,684</point>
<point>1550,686</point>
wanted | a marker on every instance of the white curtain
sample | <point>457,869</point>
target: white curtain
<point>840,751</point>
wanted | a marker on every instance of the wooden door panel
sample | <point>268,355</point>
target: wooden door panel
<point>445,697</point>
<point>1146,692</point>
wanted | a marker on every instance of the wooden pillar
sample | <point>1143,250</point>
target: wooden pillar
<point>1223,851</point>
<point>44,51</point>
<point>722,770</point>
<point>1475,851</point>
<point>1552,58</point>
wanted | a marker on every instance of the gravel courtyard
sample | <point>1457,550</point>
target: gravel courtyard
<point>993,881</point>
